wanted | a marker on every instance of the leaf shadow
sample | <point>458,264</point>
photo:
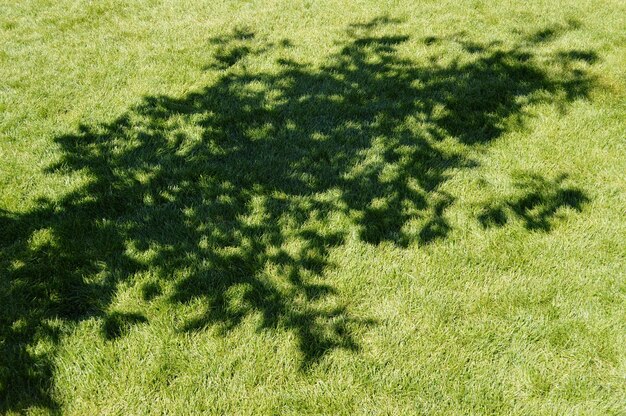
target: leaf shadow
<point>239,194</point>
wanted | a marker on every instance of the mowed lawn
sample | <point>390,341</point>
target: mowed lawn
<point>313,207</point>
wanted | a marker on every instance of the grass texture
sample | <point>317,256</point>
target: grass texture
<point>312,207</point>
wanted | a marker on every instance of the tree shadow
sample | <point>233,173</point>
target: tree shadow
<point>237,193</point>
<point>537,202</point>
<point>117,324</point>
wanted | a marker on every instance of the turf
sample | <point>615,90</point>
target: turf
<point>312,207</point>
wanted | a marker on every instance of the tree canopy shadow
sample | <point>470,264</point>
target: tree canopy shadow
<point>238,192</point>
<point>537,202</point>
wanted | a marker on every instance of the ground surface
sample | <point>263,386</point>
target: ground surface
<point>312,207</point>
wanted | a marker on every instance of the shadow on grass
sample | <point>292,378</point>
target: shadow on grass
<point>238,192</point>
<point>537,202</point>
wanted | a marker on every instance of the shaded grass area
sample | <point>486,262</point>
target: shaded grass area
<point>537,202</point>
<point>233,196</point>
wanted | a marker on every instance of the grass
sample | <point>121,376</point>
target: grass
<point>272,207</point>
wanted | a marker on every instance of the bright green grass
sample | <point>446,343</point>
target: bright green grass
<point>313,207</point>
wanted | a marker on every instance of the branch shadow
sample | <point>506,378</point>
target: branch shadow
<point>245,187</point>
<point>537,202</point>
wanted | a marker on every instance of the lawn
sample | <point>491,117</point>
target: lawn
<point>313,207</point>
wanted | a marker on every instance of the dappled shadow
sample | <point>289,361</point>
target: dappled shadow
<point>537,202</point>
<point>237,193</point>
<point>117,324</point>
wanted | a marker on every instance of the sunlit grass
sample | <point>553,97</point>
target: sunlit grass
<point>312,207</point>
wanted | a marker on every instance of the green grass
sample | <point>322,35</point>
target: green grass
<point>312,207</point>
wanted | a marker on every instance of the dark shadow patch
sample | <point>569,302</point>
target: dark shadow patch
<point>437,226</point>
<point>536,202</point>
<point>150,290</point>
<point>552,32</point>
<point>431,40</point>
<point>118,324</point>
<point>590,57</point>
<point>230,56</point>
